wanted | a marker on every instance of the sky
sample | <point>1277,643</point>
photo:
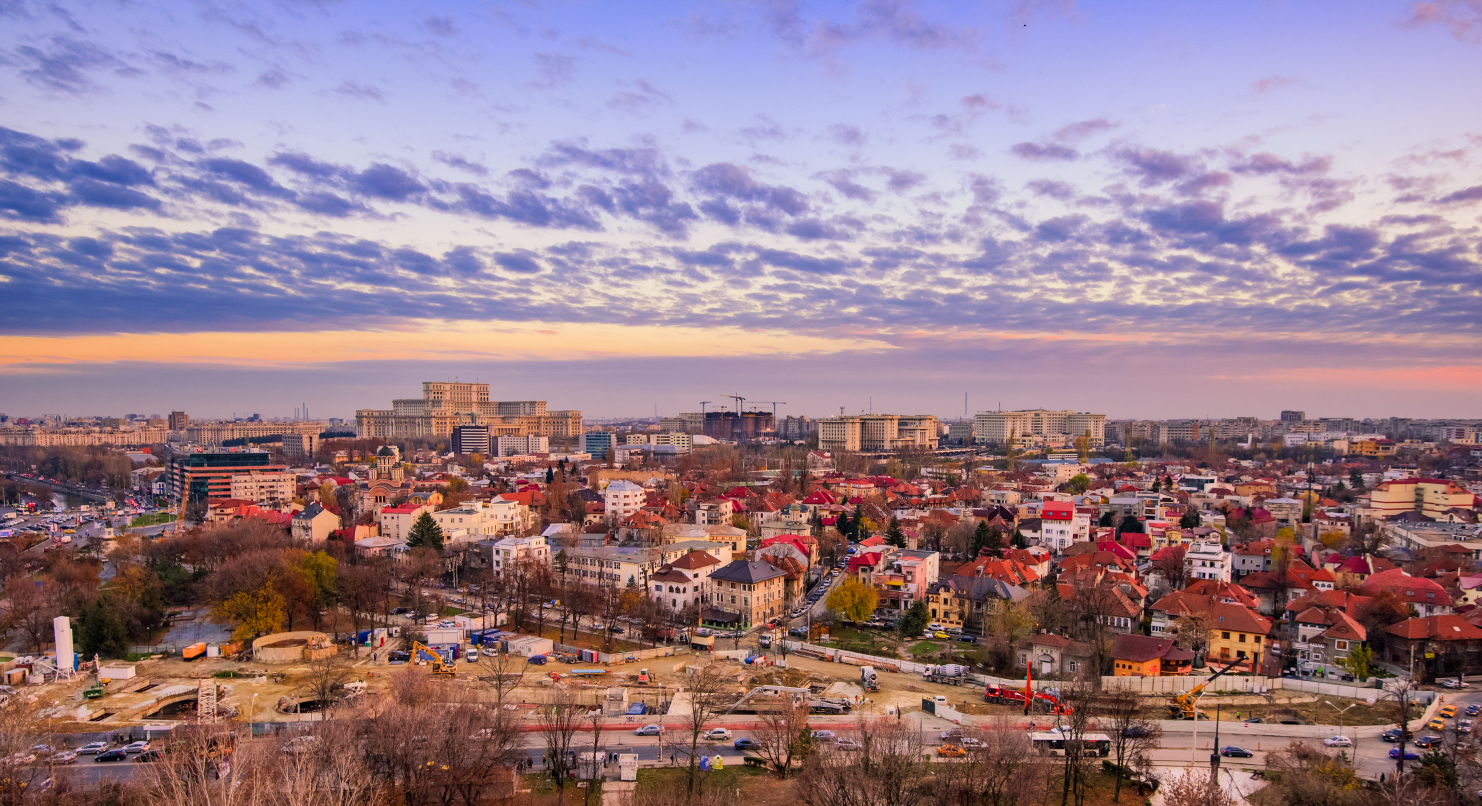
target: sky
<point>1151,209</point>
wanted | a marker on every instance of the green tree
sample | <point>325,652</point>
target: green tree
<point>425,532</point>
<point>1078,484</point>
<point>1107,519</point>
<point>550,475</point>
<point>319,569</point>
<point>1131,524</point>
<point>1437,769</point>
<point>915,619</point>
<point>854,599</point>
<point>1359,663</point>
<point>844,526</point>
<point>102,632</point>
<point>1020,541</point>
<point>1188,520</point>
<point>893,534</point>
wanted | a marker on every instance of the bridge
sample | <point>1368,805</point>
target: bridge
<point>69,489</point>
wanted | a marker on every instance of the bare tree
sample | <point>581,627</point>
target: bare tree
<point>1170,563</point>
<point>1073,728</point>
<point>33,604</point>
<point>20,769</point>
<point>1195,788</point>
<point>504,672</point>
<point>1010,772</point>
<point>558,722</point>
<point>784,737</point>
<point>1132,735</point>
<point>209,768</point>
<point>710,690</point>
<point>327,677</point>
<point>885,771</point>
<point>1192,631</point>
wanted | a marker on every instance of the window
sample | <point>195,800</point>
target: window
<point>1225,635</point>
<point>1242,638</point>
<point>1258,639</point>
<point>1072,666</point>
<point>1340,645</point>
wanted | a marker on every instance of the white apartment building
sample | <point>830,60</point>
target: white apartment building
<point>478,520</point>
<point>996,426</point>
<point>523,446</point>
<point>622,498</point>
<point>507,553</point>
<point>1208,560</point>
<point>396,522</point>
<point>256,485</point>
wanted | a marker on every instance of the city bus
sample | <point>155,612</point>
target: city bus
<point>1054,743</point>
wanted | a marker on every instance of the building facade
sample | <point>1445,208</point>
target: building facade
<point>994,427</point>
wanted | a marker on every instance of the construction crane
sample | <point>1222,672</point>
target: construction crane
<point>739,400</point>
<point>775,404</point>
<point>1182,706</point>
<point>703,404</point>
<point>438,665</point>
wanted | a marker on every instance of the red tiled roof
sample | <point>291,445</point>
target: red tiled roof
<point>1436,628</point>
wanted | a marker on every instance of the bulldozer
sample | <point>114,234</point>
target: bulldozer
<point>1181,706</point>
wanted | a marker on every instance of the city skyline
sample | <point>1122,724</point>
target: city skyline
<point>1153,212</point>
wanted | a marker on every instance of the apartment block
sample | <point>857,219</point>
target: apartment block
<point>995,426</point>
<point>876,433</point>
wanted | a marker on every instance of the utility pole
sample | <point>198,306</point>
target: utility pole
<point>1214,758</point>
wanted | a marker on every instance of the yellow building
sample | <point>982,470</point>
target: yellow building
<point>1430,497</point>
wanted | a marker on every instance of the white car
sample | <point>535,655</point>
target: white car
<point>824,734</point>
<point>136,747</point>
<point>92,748</point>
<point>1338,741</point>
<point>717,734</point>
<point>846,743</point>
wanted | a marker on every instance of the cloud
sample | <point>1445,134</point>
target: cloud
<point>66,65</point>
<point>1044,152</point>
<point>1468,195</point>
<point>846,134</point>
<point>440,26</point>
<point>963,151</point>
<point>641,99</point>
<point>553,70</point>
<point>171,63</point>
<point>361,92</point>
<point>1051,188</point>
<point>388,182</point>
<point>521,261</point>
<point>1461,18</point>
<point>1080,130</point>
<point>1270,83</point>
<point>1153,166</point>
<point>598,46</point>
<point>272,78</point>
<point>459,162</point>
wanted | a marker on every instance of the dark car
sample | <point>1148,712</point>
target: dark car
<point>1394,735</point>
<point>1428,741</point>
<point>1135,732</point>
<point>116,754</point>
<point>396,611</point>
<point>1231,751</point>
<point>745,744</point>
<point>1410,755</point>
<point>1474,709</point>
<point>399,657</point>
<point>148,756</point>
<point>966,639</point>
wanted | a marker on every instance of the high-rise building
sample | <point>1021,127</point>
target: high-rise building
<point>1293,416</point>
<point>597,443</point>
<point>471,439</point>
<point>206,476</point>
<point>179,420</point>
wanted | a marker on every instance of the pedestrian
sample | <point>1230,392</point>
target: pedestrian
<point>673,759</point>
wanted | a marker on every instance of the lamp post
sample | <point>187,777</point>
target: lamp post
<point>1341,712</point>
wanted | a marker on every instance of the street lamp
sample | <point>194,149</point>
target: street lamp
<point>1341,712</point>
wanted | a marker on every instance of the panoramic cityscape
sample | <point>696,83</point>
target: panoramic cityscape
<point>740,403</point>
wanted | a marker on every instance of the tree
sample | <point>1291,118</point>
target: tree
<point>1132,735</point>
<point>711,689</point>
<point>425,533</point>
<point>1078,484</point>
<point>1170,563</point>
<point>1107,519</point>
<point>101,632</point>
<point>1132,524</point>
<point>1359,663</point>
<point>33,605</point>
<point>1190,519</point>
<point>893,534</point>
<point>915,619</point>
<point>256,612</point>
<point>784,736</point>
<point>886,771</point>
<point>1194,788</point>
<point>854,599</point>
<point>558,722</point>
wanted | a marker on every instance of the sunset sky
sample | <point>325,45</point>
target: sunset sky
<point>1149,209</point>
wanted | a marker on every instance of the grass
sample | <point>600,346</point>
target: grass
<point>152,519</point>
<point>925,648</point>
<point>868,642</point>
<point>450,611</point>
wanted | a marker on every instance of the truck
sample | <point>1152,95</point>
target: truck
<point>949,673</point>
<point>704,643</point>
<point>868,679</point>
<point>764,640</point>
<point>1046,703</point>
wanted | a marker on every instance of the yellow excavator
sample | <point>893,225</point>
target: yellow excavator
<point>1182,705</point>
<point>438,666</point>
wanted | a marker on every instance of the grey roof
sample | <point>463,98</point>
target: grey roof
<point>747,572</point>
<point>309,512</point>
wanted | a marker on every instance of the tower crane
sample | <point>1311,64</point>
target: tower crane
<point>703,404</point>
<point>739,401</point>
<point>775,404</point>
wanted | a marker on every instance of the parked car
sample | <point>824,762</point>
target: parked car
<point>717,735</point>
<point>64,757</point>
<point>951,751</point>
<point>1428,741</point>
<point>92,748</point>
<point>1231,751</point>
<point>116,754</point>
<point>966,639</point>
<point>825,734</point>
<point>846,743</point>
<point>300,744</point>
<point>1454,682</point>
<point>745,744</point>
<point>1338,741</point>
<point>148,756</point>
<point>1410,755</point>
<point>969,743</point>
<point>950,735</point>
<point>649,730</point>
<point>136,747</point>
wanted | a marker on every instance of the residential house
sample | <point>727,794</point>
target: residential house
<point>685,581</point>
<point>314,523</point>
<point>970,603</point>
<point>396,522</point>
<point>506,555</point>
<point>1427,596</point>
<point>1062,525</point>
<point>1436,645</point>
<point>1324,638</point>
<point>745,593</point>
<point>1208,560</point>
<point>1146,656</point>
<point>1053,654</point>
